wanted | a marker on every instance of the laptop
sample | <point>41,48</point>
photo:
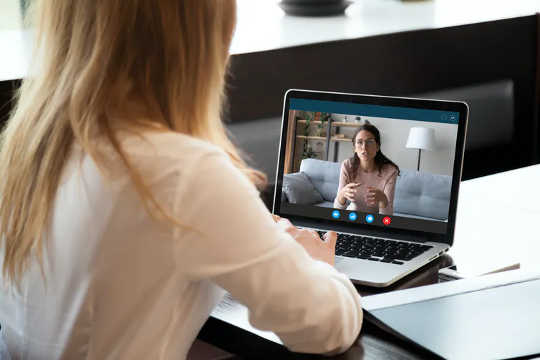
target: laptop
<point>393,213</point>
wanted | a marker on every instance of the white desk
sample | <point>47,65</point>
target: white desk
<point>262,25</point>
<point>498,220</point>
<point>15,54</point>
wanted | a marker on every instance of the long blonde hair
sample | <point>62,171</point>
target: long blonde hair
<point>169,55</point>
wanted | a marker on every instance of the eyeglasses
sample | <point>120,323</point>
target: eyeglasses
<point>367,142</point>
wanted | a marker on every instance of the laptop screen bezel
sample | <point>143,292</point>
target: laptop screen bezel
<point>374,230</point>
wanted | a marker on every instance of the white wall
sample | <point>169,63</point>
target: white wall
<point>394,133</point>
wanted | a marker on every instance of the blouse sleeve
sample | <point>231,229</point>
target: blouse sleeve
<point>231,239</point>
<point>389,191</point>
<point>343,180</point>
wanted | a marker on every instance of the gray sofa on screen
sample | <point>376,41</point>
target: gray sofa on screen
<point>418,194</point>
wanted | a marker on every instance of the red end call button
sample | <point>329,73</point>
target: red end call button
<point>387,220</point>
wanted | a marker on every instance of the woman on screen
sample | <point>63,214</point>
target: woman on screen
<point>367,180</point>
<point>125,209</point>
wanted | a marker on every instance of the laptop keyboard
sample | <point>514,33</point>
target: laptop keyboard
<point>374,249</point>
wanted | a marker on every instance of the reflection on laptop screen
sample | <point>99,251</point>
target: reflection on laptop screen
<point>385,166</point>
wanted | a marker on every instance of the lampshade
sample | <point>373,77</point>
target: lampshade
<point>421,138</point>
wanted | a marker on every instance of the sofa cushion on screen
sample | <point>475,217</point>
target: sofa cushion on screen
<point>299,190</point>
<point>422,194</point>
<point>324,175</point>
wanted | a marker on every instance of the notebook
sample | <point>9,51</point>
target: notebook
<point>384,172</point>
<point>494,316</point>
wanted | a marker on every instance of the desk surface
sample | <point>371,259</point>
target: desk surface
<point>262,25</point>
<point>496,219</point>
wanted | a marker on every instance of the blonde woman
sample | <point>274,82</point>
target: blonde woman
<point>125,210</point>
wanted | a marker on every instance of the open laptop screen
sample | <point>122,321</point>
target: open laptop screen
<point>371,163</point>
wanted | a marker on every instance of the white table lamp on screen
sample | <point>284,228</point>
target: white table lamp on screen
<point>421,138</point>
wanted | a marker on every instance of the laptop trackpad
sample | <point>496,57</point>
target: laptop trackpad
<point>368,272</point>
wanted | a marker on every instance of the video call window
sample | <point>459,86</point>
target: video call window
<point>395,167</point>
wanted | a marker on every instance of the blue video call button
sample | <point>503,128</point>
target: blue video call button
<point>352,216</point>
<point>335,214</point>
<point>369,218</point>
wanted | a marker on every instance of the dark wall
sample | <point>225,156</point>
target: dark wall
<point>406,64</point>
<point>7,89</point>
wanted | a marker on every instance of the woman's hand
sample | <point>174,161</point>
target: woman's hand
<point>319,249</point>
<point>375,197</point>
<point>348,192</point>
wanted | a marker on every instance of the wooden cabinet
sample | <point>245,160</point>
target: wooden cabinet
<point>331,136</point>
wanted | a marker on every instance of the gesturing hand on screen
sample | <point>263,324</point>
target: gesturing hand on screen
<point>348,192</point>
<point>375,197</point>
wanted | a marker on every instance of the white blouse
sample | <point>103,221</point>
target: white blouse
<point>120,285</point>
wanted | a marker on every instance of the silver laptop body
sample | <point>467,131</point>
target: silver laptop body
<point>426,191</point>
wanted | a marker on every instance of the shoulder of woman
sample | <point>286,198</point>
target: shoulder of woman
<point>169,144</point>
<point>389,170</point>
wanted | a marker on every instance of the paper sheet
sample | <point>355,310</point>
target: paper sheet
<point>234,313</point>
